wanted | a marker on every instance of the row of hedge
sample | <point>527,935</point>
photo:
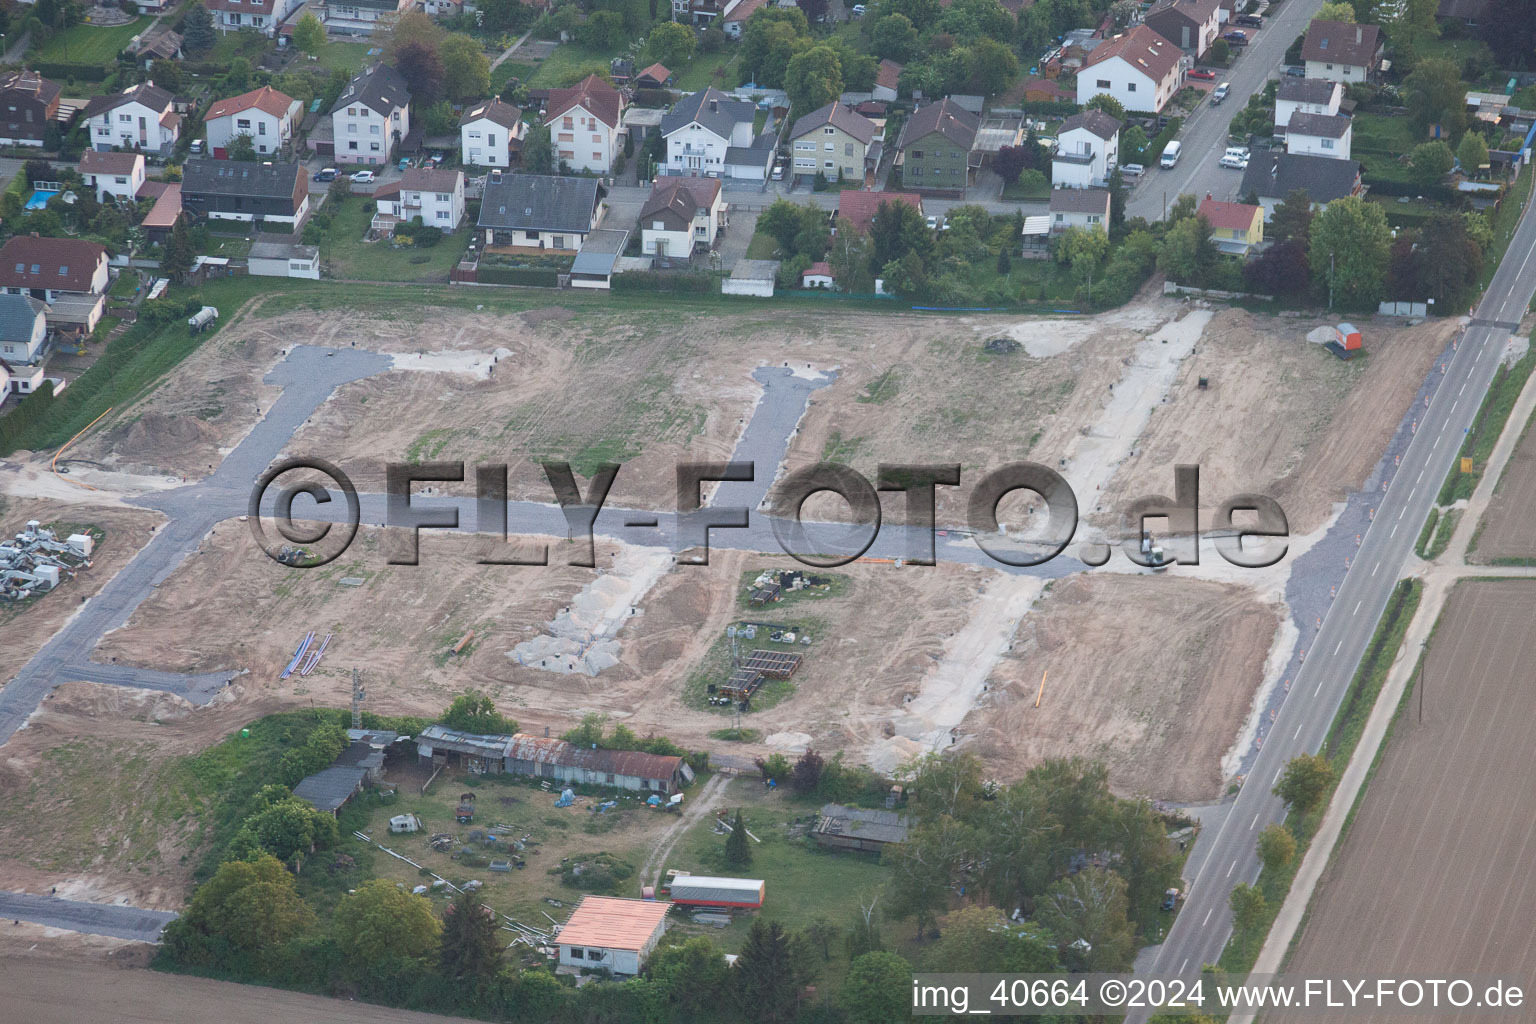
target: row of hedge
<point>1438,193</point>
<point>66,70</point>
<point>1155,147</point>
<point>541,277</point>
<point>655,281</point>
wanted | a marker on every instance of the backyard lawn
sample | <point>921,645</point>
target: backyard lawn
<point>348,57</point>
<point>507,70</point>
<point>87,44</point>
<point>230,45</point>
<point>706,69</point>
<point>554,71</point>
<point>348,256</point>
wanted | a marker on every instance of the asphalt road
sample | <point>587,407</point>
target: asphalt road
<point>1333,654</point>
<point>1204,135</point>
<point>94,918</point>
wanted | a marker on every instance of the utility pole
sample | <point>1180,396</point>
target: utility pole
<point>357,701</point>
<point>1330,282</point>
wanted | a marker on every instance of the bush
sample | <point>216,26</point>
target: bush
<point>424,236</point>
<point>654,281</point>
<point>653,98</point>
<point>539,277</point>
<point>79,72</point>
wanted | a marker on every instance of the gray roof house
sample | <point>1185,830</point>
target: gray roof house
<point>23,329</point>
<point>1324,179</point>
<point>540,211</point>
<point>857,828</point>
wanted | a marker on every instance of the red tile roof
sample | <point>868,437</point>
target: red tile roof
<point>1229,216</point>
<point>92,162</point>
<point>819,269</point>
<point>593,95</point>
<point>1341,42</point>
<point>656,72</point>
<point>860,207</point>
<point>63,264</point>
<point>266,99</point>
<point>166,209</point>
<point>1142,48</point>
<point>743,10</point>
<point>610,923</point>
<point>888,74</point>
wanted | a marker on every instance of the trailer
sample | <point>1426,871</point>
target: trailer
<point>203,319</point>
<point>710,891</point>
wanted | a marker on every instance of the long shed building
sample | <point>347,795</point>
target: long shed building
<point>555,759</point>
<point>711,891</point>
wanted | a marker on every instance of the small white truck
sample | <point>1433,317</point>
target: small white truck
<point>202,319</point>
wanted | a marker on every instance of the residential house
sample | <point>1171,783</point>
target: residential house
<point>440,8</point>
<point>1191,25</point>
<point>1342,51</point>
<point>158,42</point>
<point>1088,148</point>
<point>860,208</point>
<point>435,196</point>
<point>1470,13</point>
<point>680,216</point>
<point>539,211</point>
<point>273,192</point>
<point>734,21</point>
<point>29,102</point>
<point>1079,208</point>
<point>654,77</point>
<point>23,330</point>
<point>1235,227</point>
<point>1141,69</point>
<point>612,934</point>
<point>887,82</point>
<point>140,117</point>
<point>23,380</point>
<point>700,130</point>
<point>1305,96</point>
<point>699,13</point>
<point>834,142</point>
<point>935,147</point>
<point>264,16</point>
<point>859,828</point>
<point>265,115</point>
<point>281,256</point>
<point>371,117</point>
<point>1272,177</point>
<point>491,134</point>
<point>69,274</point>
<point>360,17</point>
<point>112,175</point>
<point>584,124</point>
<point>161,219</point>
<point>1319,135</point>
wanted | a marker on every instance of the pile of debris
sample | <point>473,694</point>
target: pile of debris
<point>35,561</point>
<point>1002,346</point>
<point>581,639</point>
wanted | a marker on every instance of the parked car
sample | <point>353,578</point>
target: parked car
<point>1295,72</point>
<point>364,177</point>
<point>1235,36</point>
<point>1132,171</point>
<point>933,222</point>
<point>1220,93</point>
<point>1251,20</point>
<point>778,171</point>
<point>858,10</point>
<point>1171,154</point>
<point>1204,76</point>
<point>1234,161</point>
<point>326,174</point>
<point>196,147</point>
<point>1170,899</point>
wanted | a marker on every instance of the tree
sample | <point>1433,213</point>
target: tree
<point>1116,199</point>
<point>1276,847</point>
<point>166,74</point>
<point>1447,260</point>
<point>1436,95</point>
<point>894,38</point>
<point>814,10</point>
<point>1430,162</point>
<point>470,948</point>
<point>766,981</point>
<point>1307,777</point>
<point>923,868</point>
<point>1292,221</point>
<point>1248,906</point>
<point>1281,269</point>
<point>694,975</point>
<point>1083,249</point>
<point>474,712</point>
<point>286,828</point>
<point>921,13</point>
<point>671,43</point>
<point>1189,253</point>
<point>309,34</point>
<point>1411,22</point>
<point>849,258</point>
<point>198,35</point>
<point>1133,144</point>
<point>1350,249</point>
<point>1089,907</point>
<point>179,255</point>
<point>807,773</point>
<point>1221,50</point>
<point>771,37</point>
<point>1011,162</point>
<point>1107,103</point>
<point>1510,32</point>
<point>821,933</point>
<point>241,148</point>
<point>237,77</point>
<point>898,230</point>
<point>877,989</point>
<point>421,65</point>
<point>241,916</point>
<point>381,920</point>
<point>1472,154</point>
<point>979,938</point>
<point>1338,11</point>
<point>603,30</point>
<point>466,69</point>
<point>813,79</point>
<point>538,153</point>
<point>993,67</point>
<point>738,853</point>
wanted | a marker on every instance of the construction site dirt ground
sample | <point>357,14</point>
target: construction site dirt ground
<point>1507,532</point>
<point>1153,675</point>
<point>649,388</point>
<point>27,627</point>
<point>1433,876</point>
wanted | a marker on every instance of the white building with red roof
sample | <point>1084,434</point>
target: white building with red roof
<point>1141,69</point>
<point>264,114</point>
<point>115,175</point>
<point>263,16</point>
<point>583,124</point>
<point>612,933</point>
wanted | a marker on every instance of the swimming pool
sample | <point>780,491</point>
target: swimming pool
<point>39,199</point>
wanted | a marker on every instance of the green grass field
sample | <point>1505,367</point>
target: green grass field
<point>567,58</point>
<point>87,44</point>
<point>507,70</point>
<point>348,256</point>
<point>348,57</point>
<point>705,69</point>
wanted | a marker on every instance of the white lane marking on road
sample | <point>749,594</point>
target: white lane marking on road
<point>1255,822</point>
<point>1314,693</point>
<point>1277,770</point>
<point>1208,914</point>
<point>1336,648</point>
<point>1358,603</point>
<point>1464,385</point>
<point>1378,566</point>
<point>1454,404</point>
<point>1419,477</point>
<point>1394,531</point>
<point>1400,514</point>
<point>1297,734</point>
<point>1183,965</point>
<point>1232,869</point>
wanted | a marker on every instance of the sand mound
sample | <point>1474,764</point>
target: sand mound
<point>155,430</point>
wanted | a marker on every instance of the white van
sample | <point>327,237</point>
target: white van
<point>1170,154</point>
